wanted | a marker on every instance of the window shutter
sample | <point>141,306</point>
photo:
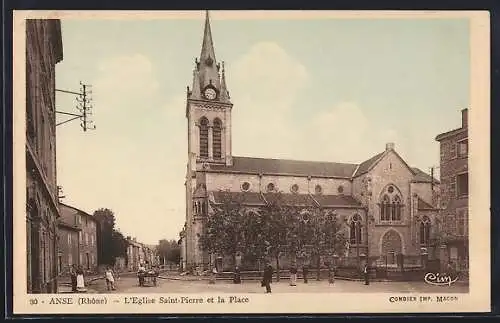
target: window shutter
<point>453,150</point>
<point>453,186</point>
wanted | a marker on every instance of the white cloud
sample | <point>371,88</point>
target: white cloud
<point>336,133</point>
<point>125,79</point>
<point>264,84</point>
<point>267,75</point>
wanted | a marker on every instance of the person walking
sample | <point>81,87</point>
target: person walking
<point>331,274</point>
<point>365,274</point>
<point>213,275</point>
<point>141,272</point>
<point>268,277</point>
<point>80,280</point>
<point>305,272</point>
<point>72,273</point>
<point>293,275</point>
<point>237,275</point>
<point>110,279</point>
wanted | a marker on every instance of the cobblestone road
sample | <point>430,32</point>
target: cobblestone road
<point>130,285</point>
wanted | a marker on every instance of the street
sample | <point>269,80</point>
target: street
<point>130,285</point>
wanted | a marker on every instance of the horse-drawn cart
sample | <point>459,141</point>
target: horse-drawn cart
<point>147,278</point>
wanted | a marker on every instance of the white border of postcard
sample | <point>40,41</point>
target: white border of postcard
<point>478,298</point>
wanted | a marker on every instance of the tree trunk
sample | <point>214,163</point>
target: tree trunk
<point>278,268</point>
<point>318,270</point>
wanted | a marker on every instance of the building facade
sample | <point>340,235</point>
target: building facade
<point>68,252</point>
<point>454,148</point>
<point>133,254</point>
<point>88,242</point>
<point>87,236</point>
<point>43,51</point>
<point>388,208</point>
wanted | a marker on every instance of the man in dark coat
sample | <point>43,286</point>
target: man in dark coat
<point>237,275</point>
<point>72,272</point>
<point>268,277</point>
<point>305,272</point>
<point>366,274</point>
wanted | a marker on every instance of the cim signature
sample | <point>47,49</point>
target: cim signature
<point>439,280</point>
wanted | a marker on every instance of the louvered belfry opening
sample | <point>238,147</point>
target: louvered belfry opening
<point>204,138</point>
<point>217,139</point>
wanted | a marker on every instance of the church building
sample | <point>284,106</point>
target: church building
<point>388,208</point>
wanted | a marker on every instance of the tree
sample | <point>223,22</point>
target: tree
<point>169,251</point>
<point>223,229</point>
<point>111,243</point>
<point>277,222</point>
<point>119,245</point>
<point>323,234</point>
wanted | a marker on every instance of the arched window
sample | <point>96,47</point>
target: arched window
<point>203,208</point>
<point>217,139</point>
<point>204,137</point>
<point>355,230</point>
<point>396,208</point>
<point>425,231</point>
<point>385,208</point>
<point>390,204</point>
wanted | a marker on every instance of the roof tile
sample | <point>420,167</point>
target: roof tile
<point>289,167</point>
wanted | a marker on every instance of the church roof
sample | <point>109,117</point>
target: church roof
<point>253,165</point>
<point>249,198</point>
<point>422,177</point>
<point>253,198</point>
<point>365,166</point>
<point>337,200</point>
<point>423,205</point>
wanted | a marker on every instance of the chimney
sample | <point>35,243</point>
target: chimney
<point>464,118</point>
<point>128,237</point>
<point>389,146</point>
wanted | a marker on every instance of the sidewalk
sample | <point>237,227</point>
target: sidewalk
<point>66,289</point>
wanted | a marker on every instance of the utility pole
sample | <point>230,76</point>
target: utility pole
<point>60,193</point>
<point>84,106</point>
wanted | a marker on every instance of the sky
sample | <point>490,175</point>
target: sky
<point>309,89</point>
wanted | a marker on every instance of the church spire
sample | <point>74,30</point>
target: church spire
<point>208,67</point>
<point>207,47</point>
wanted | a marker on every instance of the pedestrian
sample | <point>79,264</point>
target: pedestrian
<point>237,275</point>
<point>331,274</point>
<point>72,273</point>
<point>213,275</point>
<point>267,278</point>
<point>140,274</point>
<point>110,279</point>
<point>305,272</point>
<point>366,274</point>
<point>293,275</point>
<point>80,280</point>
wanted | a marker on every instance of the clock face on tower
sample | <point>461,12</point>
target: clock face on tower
<point>210,93</point>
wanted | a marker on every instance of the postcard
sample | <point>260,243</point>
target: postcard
<point>251,162</point>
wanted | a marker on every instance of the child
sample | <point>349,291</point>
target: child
<point>110,280</point>
<point>80,281</point>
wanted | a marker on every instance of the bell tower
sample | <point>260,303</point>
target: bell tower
<point>208,113</point>
<point>208,109</point>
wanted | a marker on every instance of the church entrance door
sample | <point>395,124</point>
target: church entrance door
<point>391,246</point>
